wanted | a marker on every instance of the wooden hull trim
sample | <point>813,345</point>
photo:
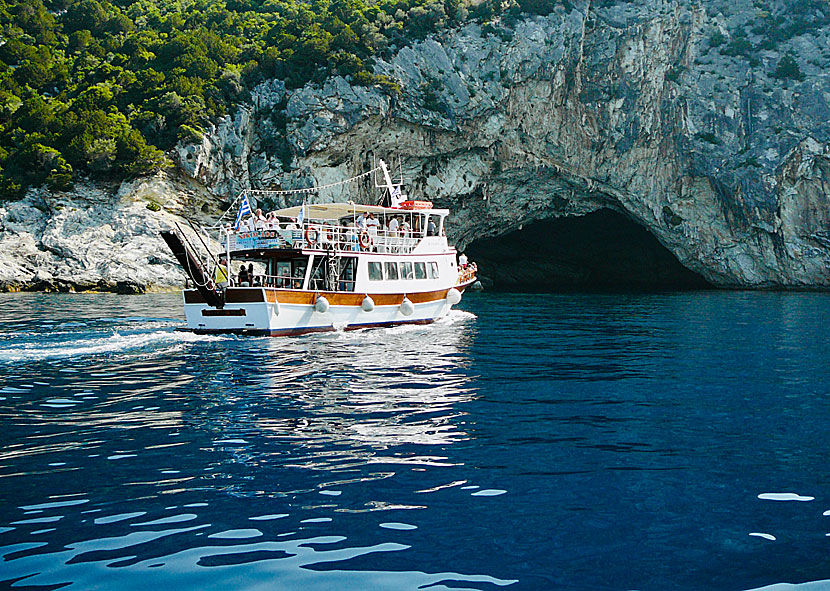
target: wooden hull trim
<point>244,295</point>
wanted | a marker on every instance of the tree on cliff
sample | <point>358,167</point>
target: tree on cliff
<point>100,88</point>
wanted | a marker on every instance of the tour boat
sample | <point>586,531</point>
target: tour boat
<point>322,267</point>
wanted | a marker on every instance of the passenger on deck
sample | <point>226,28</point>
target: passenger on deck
<point>462,260</point>
<point>431,229</point>
<point>351,237</point>
<point>271,221</point>
<point>259,220</point>
<point>392,228</point>
<point>254,279</point>
<point>222,273</point>
<point>372,227</point>
<point>244,279</point>
<point>292,224</point>
<point>360,222</point>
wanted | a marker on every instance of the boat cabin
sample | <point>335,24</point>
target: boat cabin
<point>344,247</point>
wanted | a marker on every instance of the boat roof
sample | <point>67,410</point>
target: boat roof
<point>336,211</point>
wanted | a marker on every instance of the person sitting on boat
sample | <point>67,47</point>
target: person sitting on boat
<point>243,278</point>
<point>462,260</point>
<point>351,237</point>
<point>222,273</point>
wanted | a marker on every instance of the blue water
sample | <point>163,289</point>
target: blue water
<point>575,442</point>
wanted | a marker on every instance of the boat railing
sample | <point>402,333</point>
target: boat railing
<point>287,281</point>
<point>467,274</point>
<point>323,236</point>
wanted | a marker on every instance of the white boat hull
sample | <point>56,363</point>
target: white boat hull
<point>272,315</point>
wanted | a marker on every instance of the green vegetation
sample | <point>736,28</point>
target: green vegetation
<point>788,69</point>
<point>100,88</point>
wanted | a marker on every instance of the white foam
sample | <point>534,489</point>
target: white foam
<point>458,316</point>
<point>115,343</point>
<point>784,497</point>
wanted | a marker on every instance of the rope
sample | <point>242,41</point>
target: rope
<point>269,193</point>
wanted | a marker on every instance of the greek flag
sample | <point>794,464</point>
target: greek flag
<point>301,215</point>
<point>244,209</point>
<point>395,196</point>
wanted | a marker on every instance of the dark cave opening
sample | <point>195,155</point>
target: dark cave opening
<point>603,250</point>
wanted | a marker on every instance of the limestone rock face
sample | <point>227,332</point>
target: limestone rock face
<point>89,239</point>
<point>655,109</point>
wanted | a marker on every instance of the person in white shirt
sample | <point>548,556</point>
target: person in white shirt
<point>372,224</point>
<point>393,226</point>
<point>259,220</point>
<point>360,222</point>
<point>462,260</point>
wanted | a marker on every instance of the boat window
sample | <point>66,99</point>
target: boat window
<point>406,271</point>
<point>420,270</point>
<point>299,273</point>
<point>391,270</point>
<point>433,270</point>
<point>375,272</point>
<point>318,275</point>
<point>347,270</point>
<point>283,273</point>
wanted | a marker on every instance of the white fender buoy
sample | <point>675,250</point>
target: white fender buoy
<point>276,308</point>
<point>453,296</point>
<point>368,304</point>
<point>321,305</point>
<point>407,307</point>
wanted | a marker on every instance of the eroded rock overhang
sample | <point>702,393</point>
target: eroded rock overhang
<point>597,105</point>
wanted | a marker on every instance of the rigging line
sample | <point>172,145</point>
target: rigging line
<point>291,191</point>
<point>311,189</point>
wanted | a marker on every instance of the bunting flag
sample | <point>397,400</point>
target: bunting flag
<point>244,209</point>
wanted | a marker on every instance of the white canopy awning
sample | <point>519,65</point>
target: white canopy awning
<point>336,211</point>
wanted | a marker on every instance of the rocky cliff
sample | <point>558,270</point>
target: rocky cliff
<point>706,122</point>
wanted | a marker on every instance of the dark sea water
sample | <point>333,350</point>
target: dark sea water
<point>575,442</point>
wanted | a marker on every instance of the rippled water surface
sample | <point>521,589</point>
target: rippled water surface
<point>577,442</point>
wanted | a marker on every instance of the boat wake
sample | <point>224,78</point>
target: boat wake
<point>113,343</point>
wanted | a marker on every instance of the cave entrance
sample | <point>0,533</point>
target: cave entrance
<point>603,250</point>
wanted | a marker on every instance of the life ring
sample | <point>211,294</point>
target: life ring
<point>311,236</point>
<point>365,240</point>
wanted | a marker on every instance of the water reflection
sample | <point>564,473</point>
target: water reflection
<point>134,444</point>
<point>677,440</point>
